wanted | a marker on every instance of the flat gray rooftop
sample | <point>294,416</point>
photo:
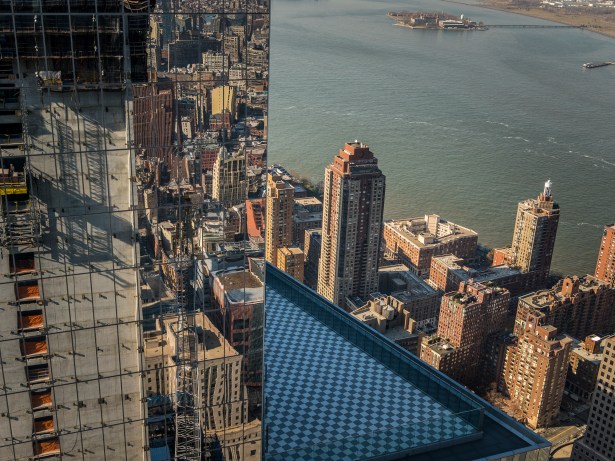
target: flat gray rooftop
<point>242,286</point>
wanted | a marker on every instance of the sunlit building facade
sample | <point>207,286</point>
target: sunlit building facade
<point>351,225</point>
<point>605,265</point>
<point>279,230</point>
<point>533,239</point>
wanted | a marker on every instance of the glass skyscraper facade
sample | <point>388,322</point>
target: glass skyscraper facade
<point>132,132</point>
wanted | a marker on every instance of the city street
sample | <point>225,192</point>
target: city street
<point>570,429</point>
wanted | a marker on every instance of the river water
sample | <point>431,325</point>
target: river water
<point>464,124</point>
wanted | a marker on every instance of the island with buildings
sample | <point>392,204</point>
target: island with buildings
<point>433,21</point>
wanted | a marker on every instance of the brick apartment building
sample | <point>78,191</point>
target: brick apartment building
<point>415,241</point>
<point>467,317</point>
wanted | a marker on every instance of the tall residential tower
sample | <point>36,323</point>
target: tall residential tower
<point>351,225</point>
<point>533,237</point>
<point>535,372</point>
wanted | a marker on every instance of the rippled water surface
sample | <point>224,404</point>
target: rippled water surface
<point>464,124</point>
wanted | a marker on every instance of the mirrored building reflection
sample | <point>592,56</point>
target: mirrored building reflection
<point>132,133</point>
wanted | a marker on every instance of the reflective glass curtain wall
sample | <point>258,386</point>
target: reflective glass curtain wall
<point>132,133</point>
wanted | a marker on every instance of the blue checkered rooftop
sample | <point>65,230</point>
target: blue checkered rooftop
<point>327,396</point>
<point>337,390</point>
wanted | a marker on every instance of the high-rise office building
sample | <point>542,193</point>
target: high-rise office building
<point>533,237</point>
<point>535,372</point>
<point>108,219</point>
<point>229,419</point>
<point>307,215</point>
<point>230,184</point>
<point>351,225</point>
<point>598,443</point>
<point>70,318</point>
<point>467,318</point>
<point>279,223</point>
<point>605,266</point>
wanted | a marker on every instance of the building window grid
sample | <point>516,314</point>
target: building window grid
<point>69,298</point>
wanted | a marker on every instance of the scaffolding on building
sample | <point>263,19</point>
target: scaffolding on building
<point>188,433</point>
<point>20,226</point>
<point>187,413</point>
<point>20,221</point>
